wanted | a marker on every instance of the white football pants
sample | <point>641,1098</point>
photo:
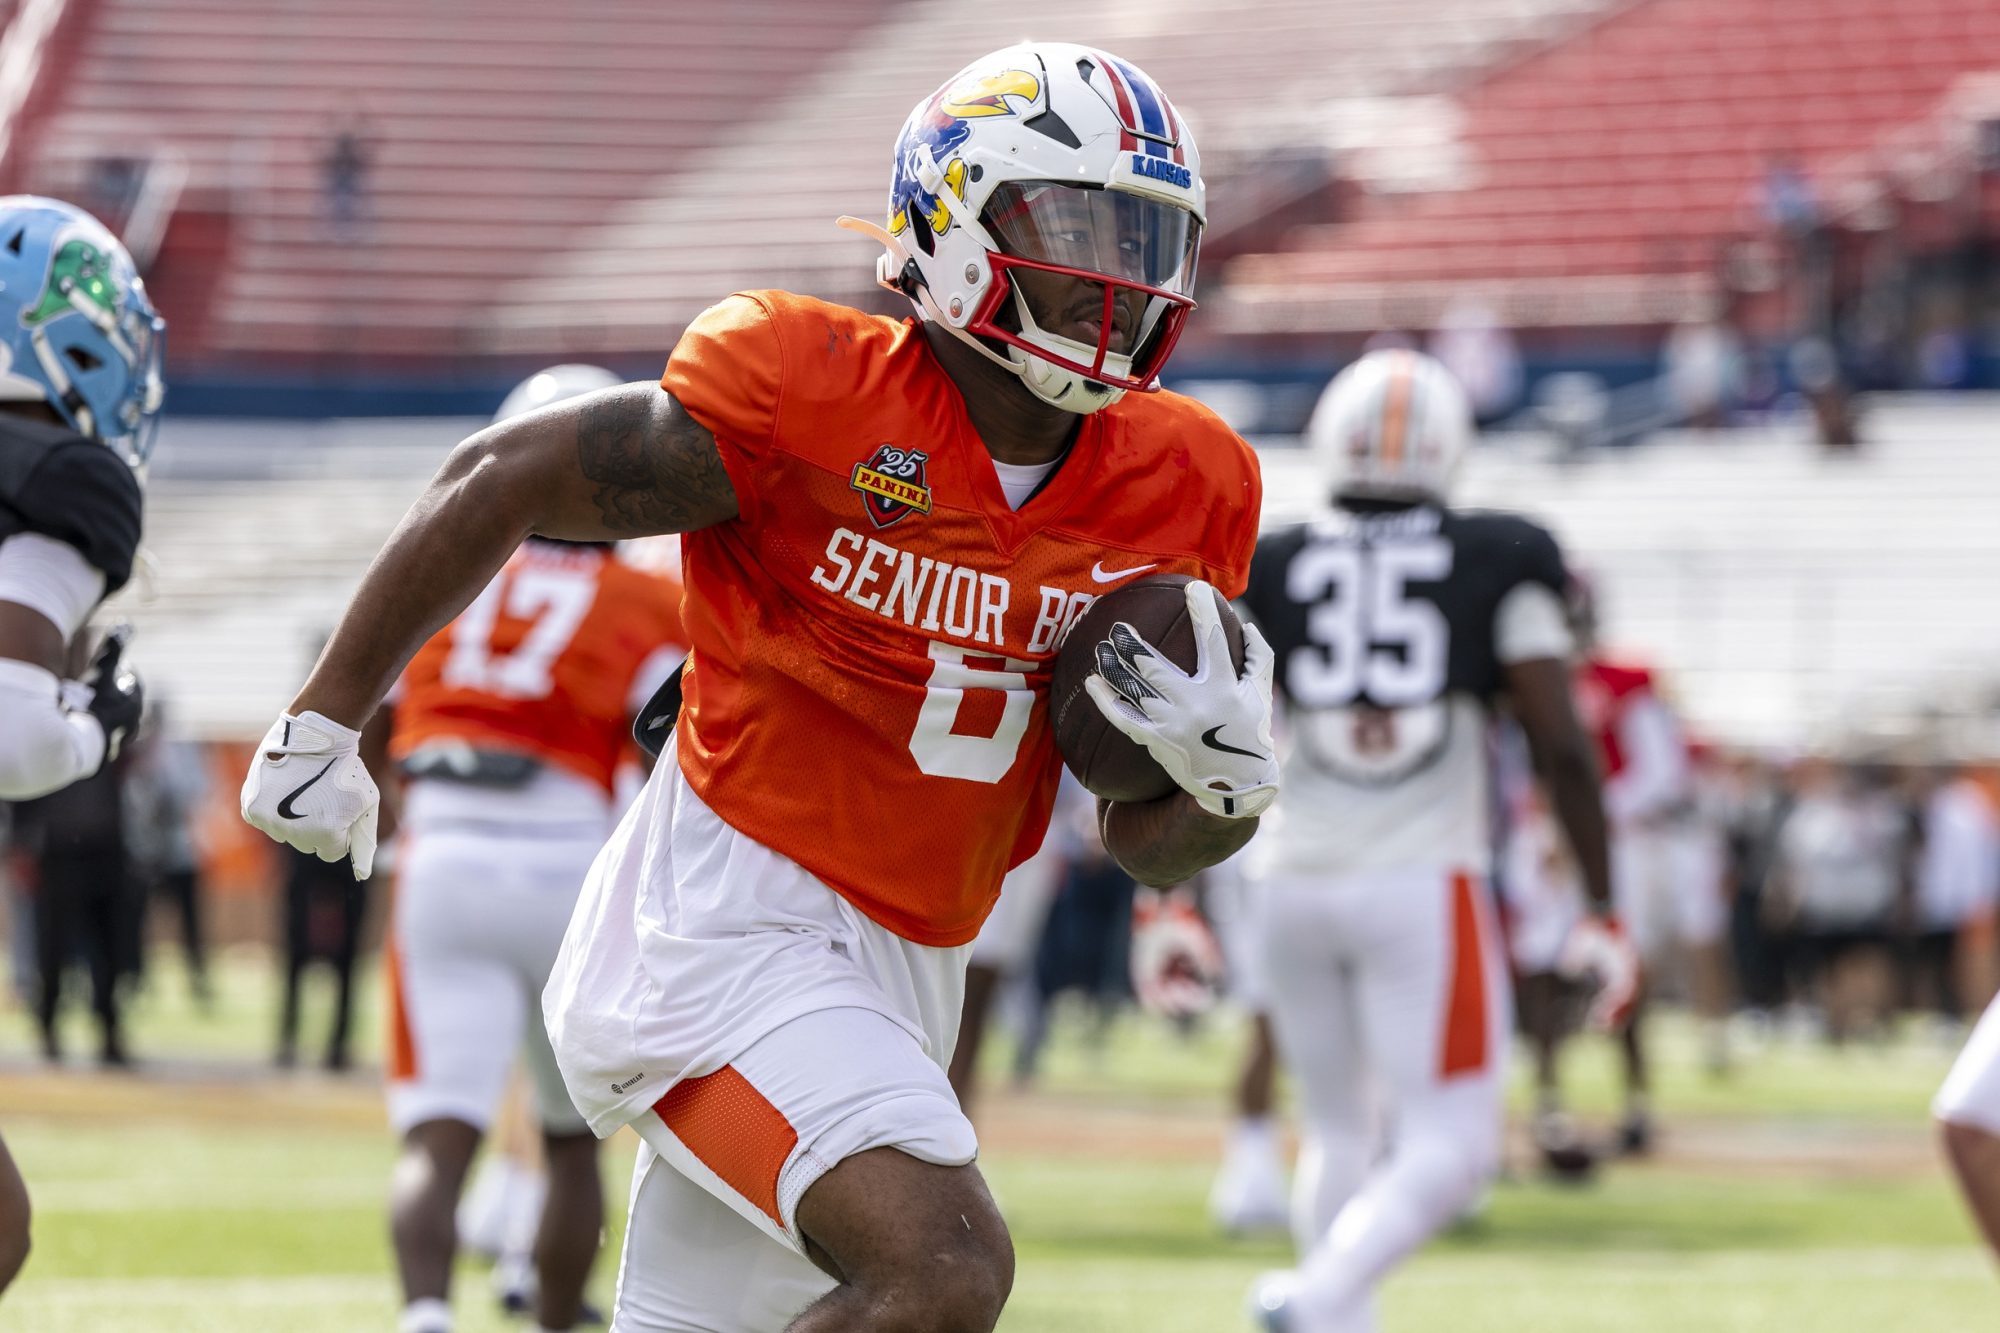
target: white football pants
<point>1391,1006</point>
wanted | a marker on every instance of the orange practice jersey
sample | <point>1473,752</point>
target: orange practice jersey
<point>543,661</point>
<point>872,638</point>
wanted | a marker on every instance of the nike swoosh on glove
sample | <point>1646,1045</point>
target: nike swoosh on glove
<point>308,788</point>
<point>1597,947</point>
<point>1210,728</point>
<point>1176,963</point>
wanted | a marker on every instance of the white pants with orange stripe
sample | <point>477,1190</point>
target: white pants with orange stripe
<point>479,913</point>
<point>756,1029</point>
<point>1389,998</point>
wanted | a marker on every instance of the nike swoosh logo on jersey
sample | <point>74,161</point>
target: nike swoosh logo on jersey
<point>1208,738</point>
<point>1100,574</point>
<point>285,810</point>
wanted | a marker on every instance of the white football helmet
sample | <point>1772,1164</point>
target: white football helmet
<point>1038,162</point>
<point>1392,426</point>
<point>552,386</point>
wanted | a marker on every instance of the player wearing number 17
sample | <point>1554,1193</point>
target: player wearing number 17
<point>888,526</point>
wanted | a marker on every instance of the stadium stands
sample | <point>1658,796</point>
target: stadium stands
<point>623,183</point>
<point>1604,174</point>
<point>1254,86</point>
<point>496,132</point>
<point>254,541</point>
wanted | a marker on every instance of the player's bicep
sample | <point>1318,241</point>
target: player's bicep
<point>629,461</point>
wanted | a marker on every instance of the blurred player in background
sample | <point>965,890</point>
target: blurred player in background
<point>1668,882</point>
<point>1006,944</point>
<point>1399,625</point>
<point>886,526</point>
<point>1250,1193</point>
<point>1544,896</point>
<point>79,390</point>
<point>508,730</point>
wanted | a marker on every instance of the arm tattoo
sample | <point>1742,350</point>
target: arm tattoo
<point>655,467</point>
<point>1170,840</point>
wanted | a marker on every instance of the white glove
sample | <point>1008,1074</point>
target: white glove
<point>308,787</point>
<point>1597,948</point>
<point>1210,728</point>
<point>1176,963</point>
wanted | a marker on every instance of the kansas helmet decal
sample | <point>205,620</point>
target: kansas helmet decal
<point>943,127</point>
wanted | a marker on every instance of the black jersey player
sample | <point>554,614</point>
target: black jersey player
<point>80,386</point>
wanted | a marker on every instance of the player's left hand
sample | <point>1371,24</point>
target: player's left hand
<point>1210,728</point>
<point>308,788</point>
<point>1176,963</point>
<point>1598,948</point>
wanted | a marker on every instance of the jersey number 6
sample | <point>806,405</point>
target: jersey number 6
<point>958,734</point>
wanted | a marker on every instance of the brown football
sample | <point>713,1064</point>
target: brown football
<point>1104,761</point>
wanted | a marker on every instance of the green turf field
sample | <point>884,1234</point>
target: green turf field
<point>1798,1194</point>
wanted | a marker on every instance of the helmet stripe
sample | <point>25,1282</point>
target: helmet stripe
<point>1152,120</point>
<point>1126,139</point>
<point>1174,130</point>
<point>1396,410</point>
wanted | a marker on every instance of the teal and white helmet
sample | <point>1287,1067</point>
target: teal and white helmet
<point>77,331</point>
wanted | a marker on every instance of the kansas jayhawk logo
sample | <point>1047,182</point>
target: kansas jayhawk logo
<point>942,126</point>
<point>892,485</point>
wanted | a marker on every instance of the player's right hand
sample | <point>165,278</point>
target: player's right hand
<point>1599,949</point>
<point>117,699</point>
<point>1181,717</point>
<point>308,788</point>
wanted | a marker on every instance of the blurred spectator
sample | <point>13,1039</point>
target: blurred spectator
<point>1957,880</point>
<point>111,187</point>
<point>1084,946</point>
<point>1944,359</point>
<point>1816,370</point>
<point>17,883</point>
<point>1702,371</point>
<point>163,792</point>
<point>1755,805</point>
<point>1481,352</point>
<point>324,909</point>
<point>83,900</point>
<point>1790,205</point>
<point>345,167</point>
<point>1838,884</point>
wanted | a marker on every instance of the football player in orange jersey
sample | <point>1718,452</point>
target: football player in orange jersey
<point>508,728</point>
<point>888,527</point>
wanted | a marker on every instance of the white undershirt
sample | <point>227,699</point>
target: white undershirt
<point>1018,480</point>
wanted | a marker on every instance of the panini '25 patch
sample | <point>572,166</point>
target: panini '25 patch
<point>892,486</point>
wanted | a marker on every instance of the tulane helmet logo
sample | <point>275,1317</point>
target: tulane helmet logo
<point>79,272</point>
<point>79,331</point>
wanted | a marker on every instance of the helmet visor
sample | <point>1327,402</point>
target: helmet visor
<point>1123,236</point>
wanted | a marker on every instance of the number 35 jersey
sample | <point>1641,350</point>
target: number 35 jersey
<point>872,638</point>
<point>1392,629</point>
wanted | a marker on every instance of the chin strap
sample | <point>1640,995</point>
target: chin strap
<point>895,262</point>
